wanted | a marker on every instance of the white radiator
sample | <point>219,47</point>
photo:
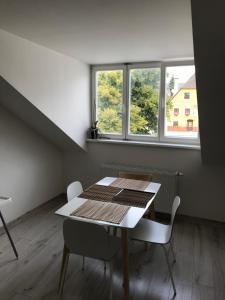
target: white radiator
<point>170,182</point>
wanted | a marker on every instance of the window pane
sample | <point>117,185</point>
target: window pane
<point>144,101</point>
<point>109,101</point>
<point>181,102</point>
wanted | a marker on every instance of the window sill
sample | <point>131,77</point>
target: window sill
<point>150,144</point>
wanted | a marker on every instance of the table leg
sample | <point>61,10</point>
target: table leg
<point>125,263</point>
<point>150,216</point>
<point>8,234</point>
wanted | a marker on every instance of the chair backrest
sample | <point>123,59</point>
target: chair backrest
<point>86,239</point>
<point>176,204</point>
<point>137,176</point>
<point>168,232</point>
<point>73,190</point>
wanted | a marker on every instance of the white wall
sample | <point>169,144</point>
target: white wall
<point>202,187</point>
<point>56,84</point>
<point>209,49</point>
<point>31,169</point>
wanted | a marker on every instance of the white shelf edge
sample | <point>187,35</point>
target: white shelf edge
<point>150,144</point>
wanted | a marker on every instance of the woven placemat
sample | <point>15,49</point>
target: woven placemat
<point>100,193</point>
<point>101,211</point>
<point>130,184</point>
<point>133,198</point>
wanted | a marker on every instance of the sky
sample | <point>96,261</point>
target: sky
<point>181,75</point>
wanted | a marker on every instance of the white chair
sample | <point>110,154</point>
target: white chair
<point>4,201</point>
<point>73,190</point>
<point>157,233</point>
<point>90,240</point>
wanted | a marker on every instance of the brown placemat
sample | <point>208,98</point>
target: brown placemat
<point>131,184</point>
<point>101,211</point>
<point>100,193</point>
<point>133,198</point>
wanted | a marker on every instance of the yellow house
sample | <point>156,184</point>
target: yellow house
<point>184,114</point>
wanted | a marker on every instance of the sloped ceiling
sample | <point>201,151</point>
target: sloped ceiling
<point>12,100</point>
<point>104,31</point>
<point>57,85</point>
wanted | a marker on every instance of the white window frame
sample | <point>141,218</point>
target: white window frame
<point>161,137</point>
<point>111,67</point>
<point>188,93</point>
<point>141,137</point>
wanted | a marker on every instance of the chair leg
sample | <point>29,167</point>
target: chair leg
<point>64,269</point>
<point>151,212</point>
<point>114,231</point>
<point>104,267</point>
<point>9,236</point>
<point>151,216</point>
<point>83,263</point>
<point>111,280</point>
<point>146,246</point>
<point>170,271</point>
<point>172,250</point>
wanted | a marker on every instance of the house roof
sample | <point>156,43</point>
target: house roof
<point>190,83</point>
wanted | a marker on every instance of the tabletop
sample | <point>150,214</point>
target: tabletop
<point>130,220</point>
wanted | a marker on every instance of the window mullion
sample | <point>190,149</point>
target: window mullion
<point>126,101</point>
<point>162,104</point>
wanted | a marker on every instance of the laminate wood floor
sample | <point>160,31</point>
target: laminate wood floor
<point>199,271</point>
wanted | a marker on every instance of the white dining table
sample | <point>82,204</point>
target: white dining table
<point>130,220</point>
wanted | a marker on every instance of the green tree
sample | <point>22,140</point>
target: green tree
<point>169,106</point>
<point>110,89</point>
<point>109,104</point>
<point>109,121</point>
<point>147,76</point>
<point>170,94</point>
<point>171,85</point>
<point>137,122</point>
<point>144,98</point>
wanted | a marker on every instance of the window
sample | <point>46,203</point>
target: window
<point>146,101</point>
<point>186,95</point>
<point>180,84</point>
<point>176,111</point>
<point>187,111</point>
<point>143,108</point>
<point>109,101</point>
<point>189,125</point>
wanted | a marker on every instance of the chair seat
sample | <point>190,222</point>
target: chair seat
<point>115,245</point>
<point>102,251</point>
<point>89,240</point>
<point>151,231</point>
